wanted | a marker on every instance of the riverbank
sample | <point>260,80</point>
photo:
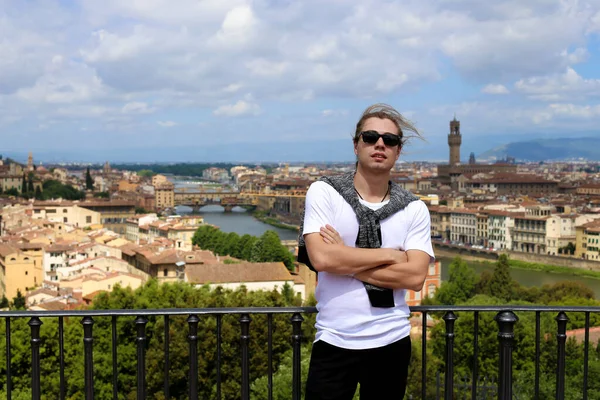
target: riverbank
<point>525,265</point>
<point>263,217</point>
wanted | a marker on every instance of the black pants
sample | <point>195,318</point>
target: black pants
<point>335,372</point>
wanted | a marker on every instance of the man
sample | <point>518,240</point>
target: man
<point>369,240</point>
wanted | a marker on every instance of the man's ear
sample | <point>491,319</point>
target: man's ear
<point>399,151</point>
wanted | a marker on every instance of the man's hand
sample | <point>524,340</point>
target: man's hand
<point>328,253</point>
<point>331,236</point>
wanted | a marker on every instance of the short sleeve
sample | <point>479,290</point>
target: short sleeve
<point>419,234</point>
<point>318,207</point>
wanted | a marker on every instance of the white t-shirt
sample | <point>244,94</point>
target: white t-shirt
<point>346,318</point>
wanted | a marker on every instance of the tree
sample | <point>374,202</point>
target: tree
<point>30,187</point>
<point>89,182</point>
<point>24,185</point>
<point>53,189</point>
<point>12,192</point>
<point>146,173</point>
<point>4,302</point>
<point>102,195</point>
<point>460,286</point>
<point>501,283</point>
<point>19,301</point>
<point>38,193</point>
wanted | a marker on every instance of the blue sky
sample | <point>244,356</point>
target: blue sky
<point>278,80</point>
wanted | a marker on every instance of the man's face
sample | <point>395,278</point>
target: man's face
<point>377,156</point>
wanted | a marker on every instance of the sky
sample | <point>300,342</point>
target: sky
<point>287,80</point>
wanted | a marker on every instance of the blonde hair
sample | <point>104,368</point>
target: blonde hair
<point>385,111</point>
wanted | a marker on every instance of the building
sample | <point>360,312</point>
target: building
<point>432,282</point>
<point>440,222</point>
<point>164,194</point>
<point>66,212</point>
<point>589,189</point>
<point>20,269</point>
<point>588,240</point>
<point>529,231</point>
<point>255,276</point>
<point>500,225</point>
<point>169,265</point>
<point>132,226</point>
<point>158,179</point>
<point>513,184</point>
<point>481,234</point>
<point>11,177</point>
<point>113,213</point>
<point>463,226</point>
<point>447,173</point>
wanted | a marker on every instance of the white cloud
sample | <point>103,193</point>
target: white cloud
<point>494,89</point>
<point>575,111</point>
<point>137,107</point>
<point>557,87</point>
<point>64,82</point>
<point>167,124</point>
<point>334,113</point>
<point>242,107</point>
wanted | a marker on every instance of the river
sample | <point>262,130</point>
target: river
<point>241,222</point>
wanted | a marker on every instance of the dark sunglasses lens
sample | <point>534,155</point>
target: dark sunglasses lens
<point>391,140</point>
<point>370,137</point>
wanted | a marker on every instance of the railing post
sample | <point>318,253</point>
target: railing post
<point>245,339</point>
<point>296,373</point>
<point>506,322</point>
<point>88,343</point>
<point>140,324</point>
<point>35,323</point>
<point>449,317</point>
<point>193,340</point>
<point>561,337</point>
<point>8,358</point>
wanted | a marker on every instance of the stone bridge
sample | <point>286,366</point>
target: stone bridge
<point>227,200</point>
<point>466,250</point>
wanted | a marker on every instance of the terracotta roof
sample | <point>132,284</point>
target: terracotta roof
<point>59,248</point>
<point>463,211</point>
<point>129,248</point>
<point>6,249</point>
<point>237,273</point>
<point>90,296</point>
<point>579,334</point>
<point>49,292</point>
<point>52,306</point>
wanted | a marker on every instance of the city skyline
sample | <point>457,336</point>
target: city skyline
<point>148,81</point>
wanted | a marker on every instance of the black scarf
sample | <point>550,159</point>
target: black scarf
<point>369,227</point>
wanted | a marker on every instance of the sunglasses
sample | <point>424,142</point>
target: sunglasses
<point>389,139</point>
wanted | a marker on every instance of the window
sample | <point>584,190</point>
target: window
<point>431,269</point>
<point>65,219</point>
<point>26,272</point>
<point>88,219</point>
<point>166,272</point>
<point>64,210</point>
<point>431,290</point>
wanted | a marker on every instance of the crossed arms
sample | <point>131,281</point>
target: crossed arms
<point>388,268</point>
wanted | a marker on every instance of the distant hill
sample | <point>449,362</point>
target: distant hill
<point>563,149</point>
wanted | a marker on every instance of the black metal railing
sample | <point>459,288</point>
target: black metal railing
<point>505,318</point>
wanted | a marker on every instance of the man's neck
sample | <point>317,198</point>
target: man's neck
<point>371,187</point>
